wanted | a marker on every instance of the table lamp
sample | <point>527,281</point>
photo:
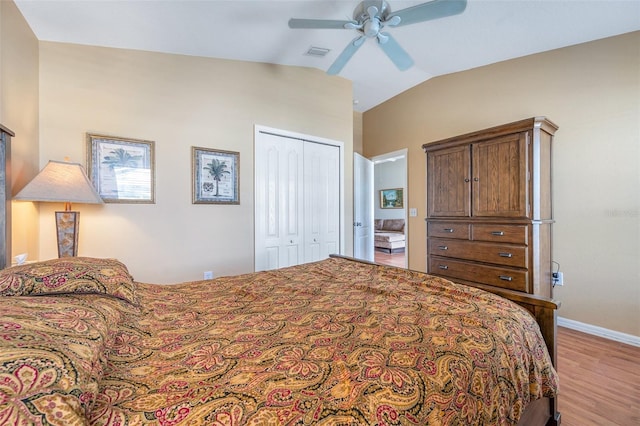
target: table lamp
<point>64,182</point>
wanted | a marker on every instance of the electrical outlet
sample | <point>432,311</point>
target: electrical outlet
<point>208,275</point>
<point>557,278</point>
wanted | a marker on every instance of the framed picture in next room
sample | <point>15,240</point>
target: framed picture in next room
<point>391,198</point>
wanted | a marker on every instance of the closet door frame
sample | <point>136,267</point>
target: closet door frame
<point>260,130</point>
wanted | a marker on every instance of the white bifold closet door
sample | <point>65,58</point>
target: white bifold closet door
<point>297,201</point>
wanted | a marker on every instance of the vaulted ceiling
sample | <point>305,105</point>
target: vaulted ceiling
<point>488,31</point>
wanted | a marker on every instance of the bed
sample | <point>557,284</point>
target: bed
<point>334,342</point>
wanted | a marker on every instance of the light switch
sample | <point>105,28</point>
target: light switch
<point>413,212</point>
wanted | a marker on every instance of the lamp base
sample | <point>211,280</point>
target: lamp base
<point>67,226</point>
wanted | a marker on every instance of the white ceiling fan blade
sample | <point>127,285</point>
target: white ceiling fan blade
<point>320,24</point>
<point>395,52</point>
<point>346,54</point>
<point>427,11</point>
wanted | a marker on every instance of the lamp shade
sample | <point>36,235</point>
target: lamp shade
<point>60,181</point>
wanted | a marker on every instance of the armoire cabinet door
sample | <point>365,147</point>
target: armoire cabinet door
<point>499,184</point>
<point>448,181</point>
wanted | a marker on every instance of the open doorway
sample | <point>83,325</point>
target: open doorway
<point>390,208</point>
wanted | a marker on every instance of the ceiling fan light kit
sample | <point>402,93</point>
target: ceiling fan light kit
<point>370,17</point>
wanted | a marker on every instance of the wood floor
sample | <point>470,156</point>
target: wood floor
<point>599,380</point>
<point>393,259</point>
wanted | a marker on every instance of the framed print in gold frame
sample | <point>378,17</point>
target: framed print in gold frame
<point>392,198</point>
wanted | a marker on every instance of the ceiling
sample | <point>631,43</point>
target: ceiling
<point>488,31</point>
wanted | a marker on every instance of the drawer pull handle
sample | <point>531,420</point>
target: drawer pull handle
<point>445,267</point>
<point>449,230</point>
<point>443,247</point>
<point>506,278</point>
<point>497,233</point>
<point>505,255</point>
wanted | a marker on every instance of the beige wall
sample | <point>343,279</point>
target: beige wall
<point>19,112</point>
<point>357,132</point>
<point>592,91</point>
<point>178,102</point>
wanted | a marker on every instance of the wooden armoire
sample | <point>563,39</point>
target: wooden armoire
<point>489,212</point>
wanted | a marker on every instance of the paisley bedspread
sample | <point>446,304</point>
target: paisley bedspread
<point>334,342</point>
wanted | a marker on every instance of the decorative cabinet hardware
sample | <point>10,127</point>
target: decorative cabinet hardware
<point>443,247</point>
<point>498,233</point>
<point>506,278</point>
<point>508,255</point>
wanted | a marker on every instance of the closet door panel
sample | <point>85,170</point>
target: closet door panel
<point>322,205</point>
<point>291,207</point>
<point>279,202</point>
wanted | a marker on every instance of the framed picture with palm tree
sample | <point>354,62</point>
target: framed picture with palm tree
<point>216,176</point>
<point>121,169</point>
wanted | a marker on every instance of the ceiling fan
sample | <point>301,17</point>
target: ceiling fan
<point>371,16</point>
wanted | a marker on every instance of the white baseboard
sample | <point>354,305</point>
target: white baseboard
<point>629,339</point>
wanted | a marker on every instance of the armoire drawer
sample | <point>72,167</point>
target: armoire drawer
<point>448,230</point>
<point>500,254</point>
<point>492,275</point>
<point>515,234</point>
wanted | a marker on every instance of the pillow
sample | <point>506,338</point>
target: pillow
<point>78,275</point>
